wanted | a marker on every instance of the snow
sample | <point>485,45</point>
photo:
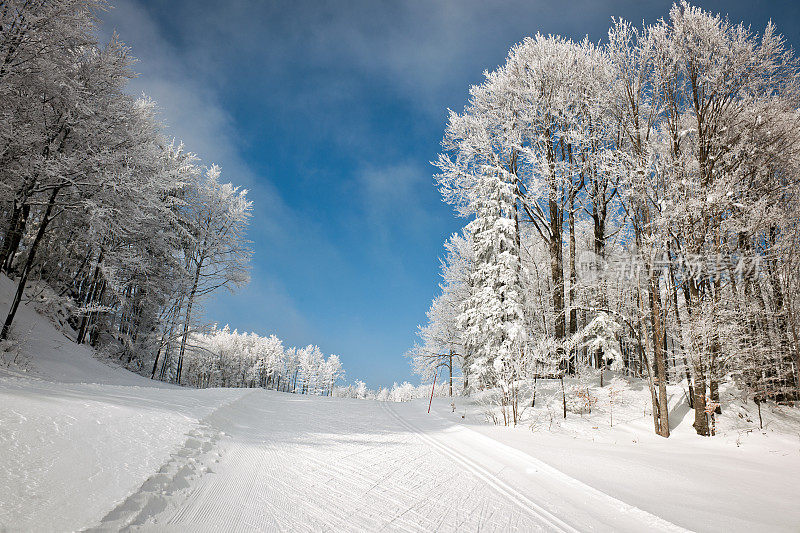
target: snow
<point>71,450</point>
<point>78,433</point>
<point>742,479</point>
<point>88,445</point>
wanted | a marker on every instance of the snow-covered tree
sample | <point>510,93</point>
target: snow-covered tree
<point>217,253</point>
<point>441,344</point>
<point>667,158</point>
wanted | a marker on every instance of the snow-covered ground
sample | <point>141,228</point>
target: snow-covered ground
<point>87,445</point>
<point>742,479</point>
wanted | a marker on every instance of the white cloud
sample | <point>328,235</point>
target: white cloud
<point>190,108</point>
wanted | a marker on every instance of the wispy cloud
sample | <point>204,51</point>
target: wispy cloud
<point>392,197</point>
<point>193,112</point>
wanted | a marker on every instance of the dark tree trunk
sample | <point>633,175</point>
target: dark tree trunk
<point>89,299</point>
<point>23,278</point>
<point>450,368</point>
<point>660,356</point>
<point>186,322</point>
<point>19,218</point>
<point>700,417</point>
<point>573,282</point>
<point>557,272</point>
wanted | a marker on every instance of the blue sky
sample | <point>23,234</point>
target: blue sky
<point>329,112</point>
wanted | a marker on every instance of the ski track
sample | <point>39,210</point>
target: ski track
<point>449,439</point>
<point>168,487</point>
<point>270,461</point>
<point>553,522</point>
<point>306,464</point>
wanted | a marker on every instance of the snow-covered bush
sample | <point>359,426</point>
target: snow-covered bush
<point>601,335</point>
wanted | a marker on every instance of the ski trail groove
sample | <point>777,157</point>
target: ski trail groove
<point>305,464</point>
<point>624,510</point>
<point>499,485</point>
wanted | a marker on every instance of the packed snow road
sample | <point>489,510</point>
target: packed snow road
<point>271,461</point>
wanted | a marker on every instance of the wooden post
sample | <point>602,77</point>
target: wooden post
<point>432,389</point>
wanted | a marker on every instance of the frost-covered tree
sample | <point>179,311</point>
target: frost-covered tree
<point>217,252</point>
<point>727,95</point>
<point>227,358</point>
<point>479,178</point>
<point>95,203</point>
<point>664,159</point>
<point>311,362</point>
<point>492,316</point>
<point>602,335</point>
<point>441,339</point>
<point>331,372</point>
<point>79,121</point>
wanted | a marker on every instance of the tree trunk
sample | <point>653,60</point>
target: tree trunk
<point>189,305</point>
<point>700,418</point>
<point>155,363</point>
<point>573,282</point>
<point>92,329</point>
<point>674,291</point>
<point>660,355</point>
<point>648,365</point>
<point>23,278</point>
<point>450,368</point>
<point>89,299</point>
<point>557,273</point>
<point>16,229</point>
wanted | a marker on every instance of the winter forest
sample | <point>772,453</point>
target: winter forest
<point>632,206</point>
<point>117,231</point>
<point>613,342</point>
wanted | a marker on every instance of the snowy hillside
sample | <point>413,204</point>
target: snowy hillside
<point>89,445</point>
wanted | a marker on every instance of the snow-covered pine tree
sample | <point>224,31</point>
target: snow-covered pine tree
<point>492,317</point>
<point>480,179</point>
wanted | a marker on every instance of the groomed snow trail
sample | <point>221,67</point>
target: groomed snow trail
<point>295,463</point>
<point>300,463</point>
<point>558,499</point>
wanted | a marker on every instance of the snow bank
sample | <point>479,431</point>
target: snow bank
<point>745,478</point>
<point>80,434</point>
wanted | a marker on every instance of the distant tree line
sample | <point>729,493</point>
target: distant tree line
<point>225,358</point>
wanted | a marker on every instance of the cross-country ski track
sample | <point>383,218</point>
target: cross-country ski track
<point>272,461</point>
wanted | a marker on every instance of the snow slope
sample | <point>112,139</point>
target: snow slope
<point>49,354</point>
<point>71,450</point>
<point>91,446</point>
<point>79,433</point>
